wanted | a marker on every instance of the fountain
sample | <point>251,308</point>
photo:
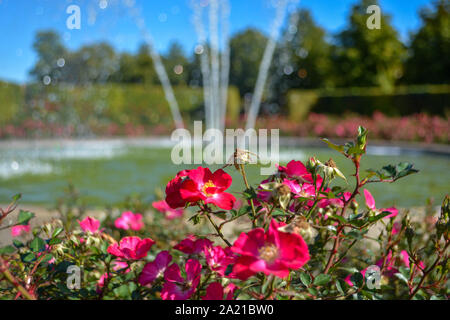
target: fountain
<point>159,67</point>
<point>215,65</point>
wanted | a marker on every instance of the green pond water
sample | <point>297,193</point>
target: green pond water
<point>105,172</point>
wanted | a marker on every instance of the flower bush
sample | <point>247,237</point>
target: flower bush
<point>302,237</point>
<point>419,127</point>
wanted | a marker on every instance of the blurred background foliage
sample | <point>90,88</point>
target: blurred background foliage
<point>357,70</point>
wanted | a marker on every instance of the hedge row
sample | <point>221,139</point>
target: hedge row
<point>102,104</point>
<point>11,99</point>
<point>401,101</point>
<point>99,105</point>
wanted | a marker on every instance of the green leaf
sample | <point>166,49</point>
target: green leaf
<point>266,285</point>
<point>334,146</point>
<point>339,218</point>
<point>7,250</point>
<point>391,172</point>
<point>57,232</point>
<point>278,212</point>
<point>322,279</point>
<point>404,271</point>
<point>351,148</point>
<point>379,216</point>
<point>136,295</point>
<point>18,244</point>
<point>401,277</point>
<point>122,291</point>
<point>28,257</point>
<point>195,219</point>
<point>305,279</point>
<point>341,286</point>
<point>405,168</point>
<point>354,219</point>
<point>24,217</point>
<point>229,269</point>
<point>54,241</point>
<point>312,291</point>
<point>62,266</point>
<point>355,234</point>
<point>37,244</point>
<point>357,279</point>
<point>361,140</point>
<point>250,193</point>
<point>104,247</point>
<point>244,210</point>
<point>221,215</point>
<point>47,258</point>
<point>350,270</point>
<point>437,297</point>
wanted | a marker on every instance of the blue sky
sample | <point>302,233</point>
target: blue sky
<point>167,20</point>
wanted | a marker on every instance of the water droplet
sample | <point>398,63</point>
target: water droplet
<point>288,70</point>
<point>103,4</point>
<point>15,165</point>
<point>199,49</point>
<point>302,73</point>
<point>129,3</point>
<point>302,53</point>
<point>47,80</point>
<point>292,29</point>
<point>162,17</point>
<point>66,36</point>
<point>39,11</point>
<point>178,69</point>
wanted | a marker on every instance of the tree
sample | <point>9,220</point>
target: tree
<point>91,63</point>
<point>303,57</point>
<point>49,49</point>
<point>429,60</point>
<point>176,64</point>
<point>137,68</point>
<point>367,57</point>
<point>246,51</point>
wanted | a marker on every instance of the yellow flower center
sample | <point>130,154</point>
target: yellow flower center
<point>207,185</point>
<point>268,253</point>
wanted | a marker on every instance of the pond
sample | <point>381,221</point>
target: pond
<point>106,171</point>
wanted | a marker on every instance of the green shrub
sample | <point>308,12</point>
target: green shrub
<point>121,104</point>
<point>11,100</point>
<point>233,104</point>
<point>300,103</point>
<point>402,100</point>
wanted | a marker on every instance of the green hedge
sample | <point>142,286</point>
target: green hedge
<point>11,100</point>
<point>403,100</point>
<point>109,103</point>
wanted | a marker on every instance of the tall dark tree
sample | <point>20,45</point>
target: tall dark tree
<point>176,64</point>
<point>91,63</point>
<point>246,51</point>
<point>303,57</point>
<point>194,71</point>
<point>49,49</point>
<point>429,60</point>
<point>137,68</point>
<point>368,57</point>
